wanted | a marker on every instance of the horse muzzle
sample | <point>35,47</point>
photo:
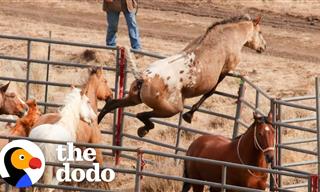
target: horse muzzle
<point>23,112</point>
<point>269,157</point>
<point>261,49</point>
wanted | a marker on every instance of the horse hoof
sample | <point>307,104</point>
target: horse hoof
<point>187,117</point>
<point>142,132</point>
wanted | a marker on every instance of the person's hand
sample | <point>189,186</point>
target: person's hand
<point>108,1</point>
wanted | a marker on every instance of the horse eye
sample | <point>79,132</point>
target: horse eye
<point>21,157</point>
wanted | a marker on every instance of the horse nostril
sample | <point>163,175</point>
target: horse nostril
<point>269,159</point>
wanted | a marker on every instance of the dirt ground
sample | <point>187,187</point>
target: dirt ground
<point>287,68</point>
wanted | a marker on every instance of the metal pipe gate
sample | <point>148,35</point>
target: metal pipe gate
<point>120,116</point>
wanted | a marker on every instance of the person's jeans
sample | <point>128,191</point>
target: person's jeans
<point>113,20</point>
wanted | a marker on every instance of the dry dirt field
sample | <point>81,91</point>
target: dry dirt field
<point>287,68</point>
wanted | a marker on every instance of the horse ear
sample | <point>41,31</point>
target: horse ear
<point>256,115</point>
<point>31,103</point>
<point>4,88</point>
<point>99,71</point>
<point>257,20</point>
<point>270,116</point>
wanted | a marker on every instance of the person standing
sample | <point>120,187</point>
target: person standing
<point>113,9</point>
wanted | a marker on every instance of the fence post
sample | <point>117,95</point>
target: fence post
<point>178,134</point>
<point>47,75</point>
<point>125,73</point>
<point>118,134</point>
<point>138,170</point>
<point>116,90</point>
<point>314,183</point>
<point>239,107</point>
<point>28,68</point>
<point>257,100</point>
<point>318,125</point>
<point>223,178</point>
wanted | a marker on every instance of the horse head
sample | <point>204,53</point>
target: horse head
<point>87,114</point>
<point>255,40</point>
<point>11,103</point>
<point>103,92</point>
<point>34,111</point>
<point>264,136</point>
<point>97,79</point>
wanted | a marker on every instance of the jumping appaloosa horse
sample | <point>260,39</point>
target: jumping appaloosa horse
<point>196,71</point>
<point>11,103</point>
<point>255,147</point>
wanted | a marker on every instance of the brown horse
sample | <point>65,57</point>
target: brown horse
<point>23,125</point>
<point>11,103</point>
<point>196,71</point>
<point>255,147</point>
<point>95,88</point>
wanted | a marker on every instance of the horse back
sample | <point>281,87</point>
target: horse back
<point>49,118</point>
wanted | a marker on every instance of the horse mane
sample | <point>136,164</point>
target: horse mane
<point>236,19</point>
<point>70,99</point>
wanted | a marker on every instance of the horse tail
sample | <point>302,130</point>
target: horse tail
<point>132,63</point>
<point>186,186</point>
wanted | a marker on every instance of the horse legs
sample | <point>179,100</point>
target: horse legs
<point>116,103</point>
<point>188,115</point>
<point>167,110</point>
<point>212,189</point>
<point>145,118</point>
<point>197,188</point>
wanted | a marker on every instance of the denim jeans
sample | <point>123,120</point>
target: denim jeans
<point>113,20</point>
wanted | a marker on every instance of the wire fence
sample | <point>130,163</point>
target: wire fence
<point>120,116</point>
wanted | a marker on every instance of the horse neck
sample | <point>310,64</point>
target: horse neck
<point>248,150</point>
<point>70,117</point>
<point>2,102</point>
<point>19,130</point>
<point>92,88</point>
<point>231,36</point>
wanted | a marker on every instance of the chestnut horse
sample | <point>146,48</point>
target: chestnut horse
<point>23,126</point>
<point>11,103</point>
<point>255,147</point>
<point>96,87</point>
<point>195,71</point>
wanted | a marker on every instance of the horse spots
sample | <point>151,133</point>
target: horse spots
<point>267,128</point>
<point>181,71</point>
<point>168,78</point>
<point>181,80</point>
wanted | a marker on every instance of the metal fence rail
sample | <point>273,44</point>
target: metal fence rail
<point>138,172</point>
<point>120,116</point>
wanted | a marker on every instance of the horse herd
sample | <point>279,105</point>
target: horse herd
<point>163,86</point>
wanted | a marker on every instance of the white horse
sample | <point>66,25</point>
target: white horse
<point>76,107</point>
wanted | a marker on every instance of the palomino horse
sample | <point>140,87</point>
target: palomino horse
<point>96,87</point>
<point>255,147</point>
<point>196,71</point>
<point>77,105</point>
<point>11,103</point>
<point>23,125</point>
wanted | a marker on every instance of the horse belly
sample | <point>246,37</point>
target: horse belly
<point>204,84</point>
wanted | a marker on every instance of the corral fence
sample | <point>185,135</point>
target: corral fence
<point>310,180</point>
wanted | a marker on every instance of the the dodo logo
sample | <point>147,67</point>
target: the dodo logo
<point>21,163</point>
